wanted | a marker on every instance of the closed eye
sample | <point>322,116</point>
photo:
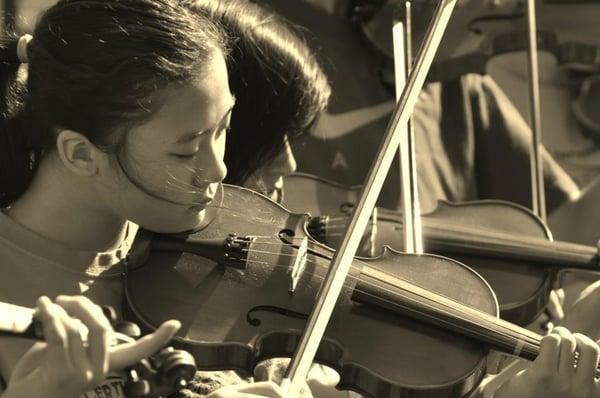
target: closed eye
<point>226,130</point>
<point>185,156</point>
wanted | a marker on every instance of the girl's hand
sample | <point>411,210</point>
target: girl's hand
<point>254,390</point>
<point>64,365</point>
<point>320,383</point>
<point>556,304</point>
<point>553,374</point>
<point>582,316</point>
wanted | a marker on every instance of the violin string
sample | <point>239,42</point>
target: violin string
<point>427,222</point>
<point>326,266</point>
<point>518,335</point>
<point>524,339</point>
<point>519,339</point>
<point>477,312</point>
<point>476,320</point>
<point>511,337</point>
<point>335,234</point>
<point>277,241</point>
<point>454,227</point>
<point>523,241</point>
<point>275,253</point>
<point>459,307</point>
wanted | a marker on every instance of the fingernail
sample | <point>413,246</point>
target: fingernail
<point>174,323</point>
<point>43,301</point>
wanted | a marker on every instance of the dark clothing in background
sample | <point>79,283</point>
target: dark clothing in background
<point>471,142</point>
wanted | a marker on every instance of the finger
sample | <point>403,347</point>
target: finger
<point>55,334</point>
<point>323,375</point>
<point>227,392</point>
<point>127,354</point>
<point>555,306</point>
<point>271,369</point>
<point>30,361</point>
<point>560,293</point>
<point>546,362</point>
<point>587,361</point>
<point>77,349</point>
<point>568,347</point>
<point>263,388</point>
<point>99,330</point>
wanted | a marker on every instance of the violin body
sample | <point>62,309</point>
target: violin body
<point>500,240</point>
<point>237,313</point>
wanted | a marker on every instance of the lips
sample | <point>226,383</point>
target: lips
<point>197,209</point>
<point>209,194</point>
<point>204,201</point>
<point>272,182</point>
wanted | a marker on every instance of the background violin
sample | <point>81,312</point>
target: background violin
<point>243,287</point>
<point>500,240</point>
<point>486,19</point>
<point>374,20</point>
<point>580,59</point>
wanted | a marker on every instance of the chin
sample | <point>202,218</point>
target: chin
<point>175,223</point>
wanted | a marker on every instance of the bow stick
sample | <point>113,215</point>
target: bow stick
<point>411,210</point>
<point>538,195</point>
<point>342,260</point>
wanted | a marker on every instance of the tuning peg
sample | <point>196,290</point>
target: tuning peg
<point>128,329</point>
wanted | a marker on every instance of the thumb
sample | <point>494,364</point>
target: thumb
<point>127,354</point>
<point>30,361</point>
<point>555,304</point>
<point>560,293</point>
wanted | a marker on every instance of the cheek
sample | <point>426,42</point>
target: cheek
<point>160,216</point>
<point>127,201</point>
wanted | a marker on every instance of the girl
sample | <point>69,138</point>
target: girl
<point>122,118</point>
<point>280,90</point>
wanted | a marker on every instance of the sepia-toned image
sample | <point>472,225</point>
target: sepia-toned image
<point>300,198</point>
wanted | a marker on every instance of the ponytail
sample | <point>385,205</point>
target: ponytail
<point>15,159</point>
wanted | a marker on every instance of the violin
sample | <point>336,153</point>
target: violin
<point>498,239</point>
<point>243,287</point>
<point>165,373</point>
<point>374,20</point>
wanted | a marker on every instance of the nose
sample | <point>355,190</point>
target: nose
<point>213,168</point>
<point>285,163</point>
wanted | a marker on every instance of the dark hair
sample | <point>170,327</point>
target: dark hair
<point>96,67</point>
<point>279,86</point>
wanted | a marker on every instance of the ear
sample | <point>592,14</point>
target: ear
<point>77,153</point>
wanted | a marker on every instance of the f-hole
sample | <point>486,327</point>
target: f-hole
<point>287,236</point>
<point>255,321</point>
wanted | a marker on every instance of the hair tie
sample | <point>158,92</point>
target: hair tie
<point>22,48</point>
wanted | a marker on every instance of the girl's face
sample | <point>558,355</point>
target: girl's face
<point>172,165</point>
<point>269,178</point>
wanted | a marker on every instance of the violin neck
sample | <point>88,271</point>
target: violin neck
<point>17,321</point>
<point>456,239</point>
<point>380,289</point>
<point>562,254</point>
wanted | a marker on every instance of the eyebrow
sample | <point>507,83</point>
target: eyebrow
<point>190,136</point>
